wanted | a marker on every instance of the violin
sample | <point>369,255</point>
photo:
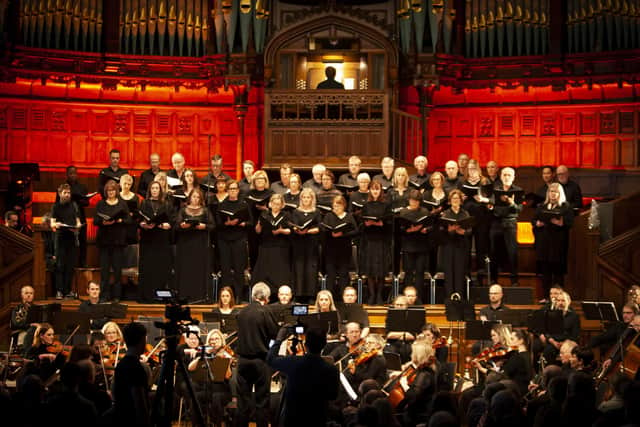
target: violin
<point>439,342</point>
<point>363,357</point>
<point>58,348</point>
<point>496,351</point>
<point>394,389</point>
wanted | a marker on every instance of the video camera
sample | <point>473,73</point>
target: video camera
<point>179,316</point>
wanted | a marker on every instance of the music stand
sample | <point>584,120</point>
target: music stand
<point>458,311</point>
<point>515,318</point>
<point>228,322</point>
<point>72,322</point>
<point>394,363</point>
<point>601,311</point>
<point>479,330</point>
<point>408,320</point>
<point>206,327</point>
<point>43,313</point>
<point>154,333</point>
<point>352,313</point>
<point>327,322</point>
<point>548,322</point>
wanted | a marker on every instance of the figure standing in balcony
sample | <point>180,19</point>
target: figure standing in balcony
<point>331,82</point>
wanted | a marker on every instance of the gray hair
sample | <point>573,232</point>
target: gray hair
<point>261,292</point>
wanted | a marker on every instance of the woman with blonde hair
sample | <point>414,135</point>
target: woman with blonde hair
<point>258,201</point>
<point>421,391</point>
<point>324,302</point>
<point>274,264</point>
<point>305,226</point>
<point>112,333</point>
<point>551,225</point>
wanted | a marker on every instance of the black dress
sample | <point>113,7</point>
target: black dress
<point>550,242</point>
<point>325,199</point>
<point>131,253</point>
<point>256,199</point>
<point>305,252</point>
<point>374,252</point>
<point>337,250</point>
<point>111,240</point>
<point>482,223</point>
<point>273,265</point>
<point>192,253</point>
<point>232,241</point>
<point>455,256</point>
<point>356,202</point>
<point>415,247</point>
<point>291,201</point>
<point>155,262</point>
<point>437,237</point>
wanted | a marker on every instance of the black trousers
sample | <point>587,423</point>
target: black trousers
<point>415,264</point>
<point>66,256</point>
<point>337,266</point>
<point>503,234</point>
<point>305,269</point>
<point>111,257</point>
<point>233,262</point>
<point>552,273</point>
<point>253,372</point>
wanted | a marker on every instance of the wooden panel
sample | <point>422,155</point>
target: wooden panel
<point>609,153</point>
<point>628,153</point>
<point>548,152</point>
<point>569,152</point>
<point>589,153</point>
<point>527,152</point>
<point>507,153</point>
<point>588,123</point>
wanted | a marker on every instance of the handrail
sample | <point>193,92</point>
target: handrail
<point>619,241</point>
<point>614,272</point>
<point>19,239</point>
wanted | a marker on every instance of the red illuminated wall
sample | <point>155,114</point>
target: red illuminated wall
<point>56,133</point>
<point>579,126</point>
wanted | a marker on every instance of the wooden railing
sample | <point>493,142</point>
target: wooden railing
<point>325,126</point>
<point>406,136</point>
<point>606,270</point>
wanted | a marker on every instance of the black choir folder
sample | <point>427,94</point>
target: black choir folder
<point>474,190</point>
<point>467,222</point>
<point>342,226</point>
<point>302,226</point>
<point>546,215</point>
<point>347,187</point>
<point>155,219</point>
<point>518,196</point>
<point>241,214</point>
<point>406,319</point>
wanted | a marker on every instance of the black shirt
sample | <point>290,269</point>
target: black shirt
<point>66,213</point>
<point>146,178</point>
<point>385,182</point>
<point>129,374</point>
<point>420,182</point>
<point>256,327</point>
<point>115,234</point>
<point>492,313</point>
<point>108,174</point>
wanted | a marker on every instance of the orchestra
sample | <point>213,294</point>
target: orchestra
<point>295,236</point>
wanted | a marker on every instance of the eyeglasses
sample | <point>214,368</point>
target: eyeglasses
<point>232,188</point>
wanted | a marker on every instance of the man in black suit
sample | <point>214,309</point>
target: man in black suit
<point>311,381</point>
<point>256,327</point>
<point>331,82</point>
<point>149,175</point>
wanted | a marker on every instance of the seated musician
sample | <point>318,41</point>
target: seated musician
<point>350,311</point>
<point>86,306</point>
<point>614,355</point>
<point>285,295</point>
<point>610,337</point>
<point>492,358</point>
<point>20,315</point>
<point>112,333</point>
<point>420,385</point>
<point>518,367</point>
<point>324,304</point>
<point>565,354</point>
<point>432,334</point>
<point>570,330</point>
<point>412,295</point>
<point>226,307</point>
<point>490,312</point>
<point>45,352</point>
<point>400,341</point>
<point>583,360</point>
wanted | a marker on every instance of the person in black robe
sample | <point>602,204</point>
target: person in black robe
<point>416,229</point>
<point>434,199</point>
<point>305,226</point>
<point>326,193</point>
<point>258,200</point>
<point>374,242</point>
<point>193,224</point>
<point>420,179</point>
<point>518,367</point>
<point>292,195</point>
<point>274,264</point>
<point>65,223</point>
<point>148,176</point>
<point>457,248</point>
<point>80,196</point>
<point>358,198</point>
<point>155,261</point>
<point>233,219</point>
<point>112,215</point>
<point>133,203</point>
<point>475,203</point>
<point>340,227</point>
<point>111,173</point>
<point>551,224</point>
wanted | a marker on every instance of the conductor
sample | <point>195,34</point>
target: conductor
<point>256,327</point>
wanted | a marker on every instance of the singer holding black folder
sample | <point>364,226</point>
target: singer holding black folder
<point>305,226</point>
<point>374,245</point>
<point>65,223</point>
<point>456,251</point>
<point>274,264</point>
<point>112,215</point>
<point>551,224</point>
<point>339,227</point>
<point>193,223</point>
<point>258,200</point>
<point>154,264</point>
<point>233,219</point>
<point>416,229</point>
